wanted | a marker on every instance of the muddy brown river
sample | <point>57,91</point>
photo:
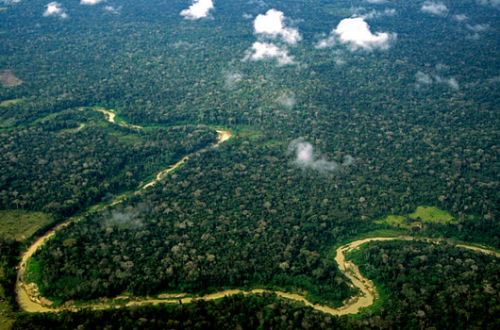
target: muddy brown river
<point>354,305</point>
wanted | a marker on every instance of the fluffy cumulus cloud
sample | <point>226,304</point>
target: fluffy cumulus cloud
<point>306,159</point>
<point>90,2</point>
<point>268,51</point>
<point>355,32</point>
<point>54,9</point>
<point>199,9</point>
<point>435,8</point>
<point>272,25</point>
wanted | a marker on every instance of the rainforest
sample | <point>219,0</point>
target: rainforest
<point>249,164</point>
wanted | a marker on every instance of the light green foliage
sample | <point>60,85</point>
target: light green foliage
<point>432,214</point>
<point>7,103</point>
<point>393,220</point>
<point>426,214</point>
<point>17,224</point>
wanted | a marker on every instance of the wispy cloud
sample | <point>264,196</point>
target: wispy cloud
<point>423,79</point>
<point>272,25</point>
<point>287,100</point>
<point>377,1</point>
<point>450,82</point>
<point>199,9</point>
<point>127,218</point>
<point>494,80</point>
<point>90,2</point>
<point>306,159</point>
<point>54,9</point>
<point>379,13</point>
<point>231,78</point>
<point>460,17</point>
<point>476,30</point>
<point>493,3</point>
<point>478,27</point>
<point>268,51</point>
<point>355,32</point>
<point>435,8</point>
<point>113,10</point>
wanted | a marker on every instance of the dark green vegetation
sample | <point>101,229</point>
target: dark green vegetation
<point>50,169</point>
<point>241,214</point>
<point>423,285</point>
<point>427,285</point>
<point>9,250</point>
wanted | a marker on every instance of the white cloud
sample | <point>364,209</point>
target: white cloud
<point>356,33</point>
<point>436,8</point>
<point>426,79</point>
<point>377,13</point>
<point>287,100</point>
<point>494,80</point>
<point>450,82</point>
<point>339,61</point>
<point>423,79</point>
<point>460,17</point>
<point>271,25</point>
<point>112,9</point>
<point>441,67</point>
<point>90,2</point>
<point>493,3</point>
<point>54,9</point>
<point>327,42</point>
<point>478,27</point>
<point>199,9</point>
<point>306,159</point>
<point>267,51</point>
<point>231,78</point>
<point>376,1</point>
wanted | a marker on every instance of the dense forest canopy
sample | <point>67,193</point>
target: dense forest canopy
<point>335,134</point>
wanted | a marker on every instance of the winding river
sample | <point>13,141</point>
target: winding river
<point>365,298</point>
<point>30,301</point>
<point>27,295</point>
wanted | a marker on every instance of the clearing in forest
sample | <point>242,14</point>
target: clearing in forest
<point>6,103</point>
<point>432,214</point>
<point>18,224</point>
<point>7,79</point>
<point>425,214</point>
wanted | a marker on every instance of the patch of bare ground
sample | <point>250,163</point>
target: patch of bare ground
<point>7,79</point>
